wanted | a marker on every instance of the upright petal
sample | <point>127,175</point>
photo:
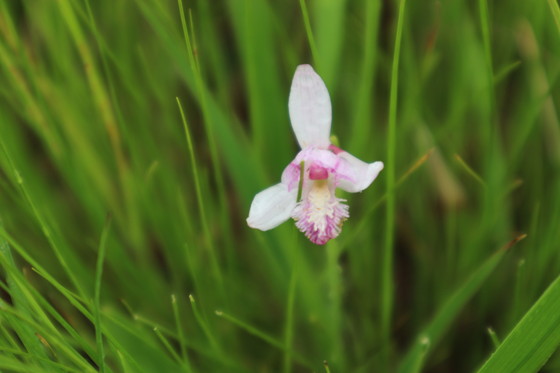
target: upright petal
<point>272,207</point>
<point>310,108</point>
<point>357,175</point>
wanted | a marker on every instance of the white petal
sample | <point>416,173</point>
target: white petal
<point>310,108</point>
<point>272,207</point>
<point>359,174</point>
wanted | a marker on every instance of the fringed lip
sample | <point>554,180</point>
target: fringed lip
<point>320,214</point>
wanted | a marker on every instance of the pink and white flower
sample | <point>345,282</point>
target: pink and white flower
<point>319,213</point>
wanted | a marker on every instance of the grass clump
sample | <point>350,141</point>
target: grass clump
<point>134,135</point>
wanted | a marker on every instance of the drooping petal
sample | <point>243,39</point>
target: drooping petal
<point>310,108</point>
<point>272,207</point>
<point>356,175</point>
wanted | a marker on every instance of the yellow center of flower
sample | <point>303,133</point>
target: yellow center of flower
<point>321,204</point>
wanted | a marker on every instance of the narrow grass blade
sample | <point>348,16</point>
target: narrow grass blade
<point>443,319</point>
<point>505,71</point>
<point>364,222</point>
<point>251,329</point>
<point>167,345</point>
<point>203,324</point>
<point>330,30</point>
<point>555,10</point>
<point>387,280</point>
<point>493,337</point>
<point>67,259</point>
<point>24,332</point>
<point>38,306</point>
<point>419,358</point>
<point>520,280</point>
<point>97,293</point>
<point>205,99</point>
<point>57,342</point>
<point>263,336</point>
<point>15,365</point>
<point>180,333</point>
<point>289,328</point>
<point>138,347</point>
<point>533,340</point>
<point>200,200</point>
<point>469,170</point>
<point>309,32</point>
<point>485,27</point>
<point>97,86</point>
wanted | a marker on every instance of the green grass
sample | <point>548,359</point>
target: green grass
<point>134,135</point>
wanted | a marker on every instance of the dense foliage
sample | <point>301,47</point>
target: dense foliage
<point>135,133</point>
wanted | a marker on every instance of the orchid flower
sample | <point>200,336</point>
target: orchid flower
<point>319,214</point>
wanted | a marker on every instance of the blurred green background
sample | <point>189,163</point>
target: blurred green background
<point>135,133</point>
